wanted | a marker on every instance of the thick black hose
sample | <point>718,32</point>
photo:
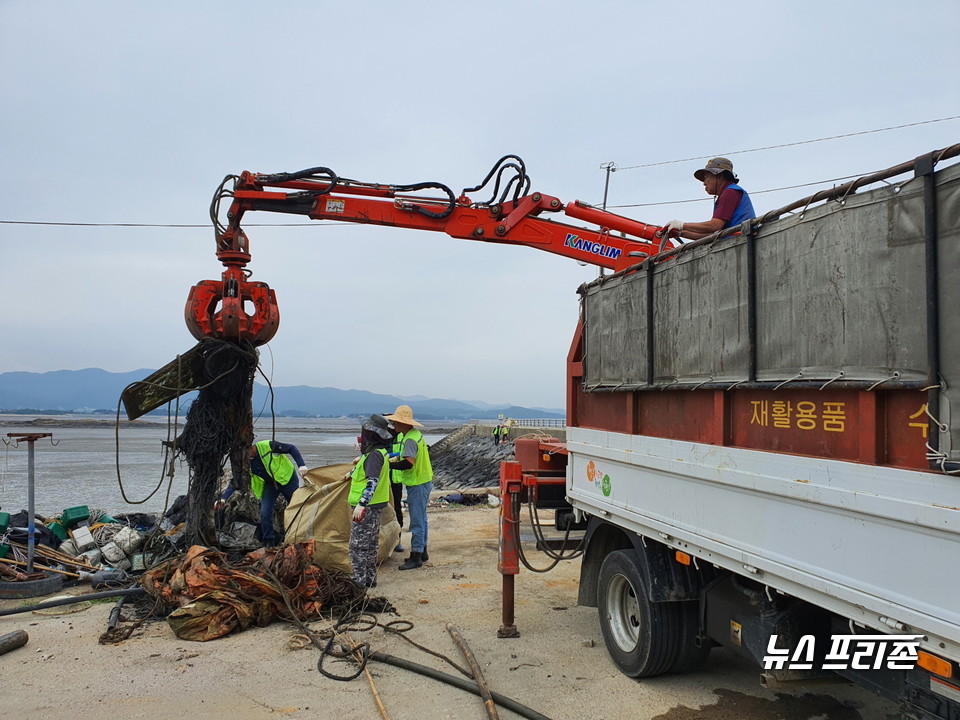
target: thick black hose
<point>127,592</point>
<point>115,612</point>
<point>469,686</point>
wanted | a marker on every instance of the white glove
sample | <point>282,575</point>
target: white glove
<point>673,225</point>
<point>358,512</point>
<point>303,470</point>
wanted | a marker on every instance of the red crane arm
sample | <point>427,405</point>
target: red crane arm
<point>217,309</point>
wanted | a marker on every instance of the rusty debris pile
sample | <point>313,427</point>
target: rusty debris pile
<point>213,597</point>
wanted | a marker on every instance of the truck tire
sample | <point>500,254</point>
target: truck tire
<point>642,637</point>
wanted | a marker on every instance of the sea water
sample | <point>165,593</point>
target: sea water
<point>125,471</point>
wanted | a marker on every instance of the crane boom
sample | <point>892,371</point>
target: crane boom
<point>513,215</point>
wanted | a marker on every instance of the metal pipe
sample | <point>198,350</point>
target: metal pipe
<point>508,627</point>
<point>751,304</point>
<point>508,561</point>
<point>923,167</point>
<point>478,677</point>
<point>31,522</point>
<point>651,364</point>
<point>133,591</point>
<point>30,439</point>
<point>889,384</point>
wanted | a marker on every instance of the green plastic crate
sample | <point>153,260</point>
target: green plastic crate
<point>71,516</point>
<point>4,523</point>
<point>59,530</point>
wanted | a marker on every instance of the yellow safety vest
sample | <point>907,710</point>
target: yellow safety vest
<point>422,470</point>
<point>277,465</point>
<point>358,481</point>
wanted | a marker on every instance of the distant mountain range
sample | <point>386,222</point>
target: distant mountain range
<point>97,391</point>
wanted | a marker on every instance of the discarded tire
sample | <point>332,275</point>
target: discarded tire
<point>47,585</point>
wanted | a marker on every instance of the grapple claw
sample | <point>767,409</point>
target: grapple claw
<point>219,309</point>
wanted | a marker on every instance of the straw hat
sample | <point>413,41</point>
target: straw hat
<point>403,414</point>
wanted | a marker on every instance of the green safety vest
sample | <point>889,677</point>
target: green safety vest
<point>278,466</point>
<point>358,481</point>
<point>422,470</point>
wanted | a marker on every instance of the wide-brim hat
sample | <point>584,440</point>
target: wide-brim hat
<point>403,414</point>
<point>377,424</point>
<point>715,166</point>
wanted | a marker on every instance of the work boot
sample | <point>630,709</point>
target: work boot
<point>423,556</point>
<point>399,548</point>
<point>412,562</point>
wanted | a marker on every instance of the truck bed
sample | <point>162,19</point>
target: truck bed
<point>877,545</point>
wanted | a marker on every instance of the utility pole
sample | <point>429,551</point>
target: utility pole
<point>609,167</point>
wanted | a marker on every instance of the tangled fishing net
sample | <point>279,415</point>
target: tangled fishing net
<point>219,426</point>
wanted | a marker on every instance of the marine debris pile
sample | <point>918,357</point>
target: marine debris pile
<point>80,545</point>
<point>214,597</point>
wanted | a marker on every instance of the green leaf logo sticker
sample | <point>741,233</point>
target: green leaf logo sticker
<point>605,486</point>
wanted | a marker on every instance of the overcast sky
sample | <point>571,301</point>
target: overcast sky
<point>133,112</point>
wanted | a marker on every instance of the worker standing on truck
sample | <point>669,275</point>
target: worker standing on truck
<point>416,473</point>
<point>271,473</point>
<point>369,495</point>
<point>731,205</point>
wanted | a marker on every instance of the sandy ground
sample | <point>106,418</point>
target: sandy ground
<point>558,666</point>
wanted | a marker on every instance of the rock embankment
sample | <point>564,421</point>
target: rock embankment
<point>464,460</point>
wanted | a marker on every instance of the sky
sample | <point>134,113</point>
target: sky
<point>117,113</point>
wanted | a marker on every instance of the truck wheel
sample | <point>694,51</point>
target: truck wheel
<point>641,636</point>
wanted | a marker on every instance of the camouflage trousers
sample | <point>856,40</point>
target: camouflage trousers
<point>364,541</point>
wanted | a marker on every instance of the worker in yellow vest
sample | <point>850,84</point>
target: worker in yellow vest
<point>413,467</point>
<point>369,495</point>
<point>272,474</point>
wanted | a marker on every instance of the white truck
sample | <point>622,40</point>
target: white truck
<point>761,448</point>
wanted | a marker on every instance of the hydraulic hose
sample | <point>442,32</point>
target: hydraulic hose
<point>463,684</point>
<point>125,592</point>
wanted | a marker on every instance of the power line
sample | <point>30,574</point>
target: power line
<point>327,223</point>
<point>612,168</point>
<point>791,144</point>
<point>752,192</point>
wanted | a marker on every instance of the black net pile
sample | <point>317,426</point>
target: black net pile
<point>218,428</point>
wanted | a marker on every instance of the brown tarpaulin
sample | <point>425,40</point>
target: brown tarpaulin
<point>215,598</point>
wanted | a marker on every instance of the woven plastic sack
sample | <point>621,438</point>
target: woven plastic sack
<point>319,511</point>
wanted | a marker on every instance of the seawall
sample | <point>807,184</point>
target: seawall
<point>469,458</point>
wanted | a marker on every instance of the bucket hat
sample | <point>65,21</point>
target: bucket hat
<point>377,425</point>
<point>403,414</point>
<point>715,166</point>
